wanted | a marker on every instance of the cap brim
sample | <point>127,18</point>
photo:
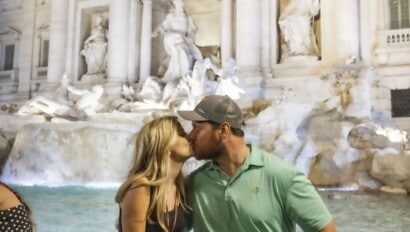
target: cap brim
<point>191,115</point>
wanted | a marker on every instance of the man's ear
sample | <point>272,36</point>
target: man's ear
<point>225,129</point>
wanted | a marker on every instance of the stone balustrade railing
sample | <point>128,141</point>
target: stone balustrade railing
<point>40,74</point>
<point>8,75</point>
<point>394,38</point>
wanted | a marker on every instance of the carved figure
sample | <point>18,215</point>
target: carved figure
<point>179,30</point>
<point>95,48</point>
<point>296,25</point>
<point>53,105</point>
<point>88,101</point>
<point>43,105</point>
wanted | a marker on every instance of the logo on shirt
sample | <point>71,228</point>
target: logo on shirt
<point>255,189</point>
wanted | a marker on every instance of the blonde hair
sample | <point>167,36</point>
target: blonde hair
<point>150,165</point>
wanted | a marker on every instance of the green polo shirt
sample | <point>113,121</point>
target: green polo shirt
<point>265,194</point>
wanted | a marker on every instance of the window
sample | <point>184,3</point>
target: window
<point>44,53</point>
<point>8,59</point>
<point>400,102</point>
<point>399,14</point>
<point>7,56</point>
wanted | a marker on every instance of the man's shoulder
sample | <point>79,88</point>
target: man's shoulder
<point>202,168</point>
<point>273,162</point>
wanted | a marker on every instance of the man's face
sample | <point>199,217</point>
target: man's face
<point>204,141</point>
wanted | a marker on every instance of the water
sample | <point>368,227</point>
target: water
<point>72,209</point>
<point>82,209</point>
<point>358,212</point>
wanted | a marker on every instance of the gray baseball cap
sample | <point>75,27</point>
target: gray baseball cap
<point>216,108</point>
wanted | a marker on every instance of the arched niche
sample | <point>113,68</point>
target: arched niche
<point>87,19</point>
<point>206,15</point>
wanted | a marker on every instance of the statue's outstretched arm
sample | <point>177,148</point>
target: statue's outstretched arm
<point>76,91</point>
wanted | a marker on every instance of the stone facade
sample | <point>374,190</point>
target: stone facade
<point>46,37</point>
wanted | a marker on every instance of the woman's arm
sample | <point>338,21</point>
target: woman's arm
<point>331,227</point>
<point>134,209</point>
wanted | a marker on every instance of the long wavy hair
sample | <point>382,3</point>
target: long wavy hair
<point>150,165</point>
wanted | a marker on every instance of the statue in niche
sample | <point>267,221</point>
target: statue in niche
<point>296,23</point>
<point>179,31</point>
<point>95,48</point>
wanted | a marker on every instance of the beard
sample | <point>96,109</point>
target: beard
<point>210,151</point>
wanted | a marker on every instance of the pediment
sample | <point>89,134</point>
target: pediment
<point>9,33</point>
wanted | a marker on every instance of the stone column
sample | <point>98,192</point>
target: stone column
<point>118,40</point>
<point>369,17</point>
<point>146,31</point>
<point>248,36</point>
<point>274,31</point>
<point>70,51</point>
<point>134,43</point>
<point>339,30</point>
<point>58,40</point>
<point>226,31</point>
<point>266,40</point>
<point>25,50</point>
<point>248,49</point>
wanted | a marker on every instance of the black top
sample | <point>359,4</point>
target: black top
<point>169,219</point>
<point>180,222</point>
<point>15,219</point>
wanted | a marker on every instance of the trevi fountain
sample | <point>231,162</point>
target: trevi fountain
<point>314,80</point>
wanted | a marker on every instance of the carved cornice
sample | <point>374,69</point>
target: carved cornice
<point>10,5</point>
<point>202,6</point>
<point>9,34</point>
<point>42,3</point>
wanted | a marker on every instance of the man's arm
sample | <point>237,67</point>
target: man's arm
<point>330,227</point>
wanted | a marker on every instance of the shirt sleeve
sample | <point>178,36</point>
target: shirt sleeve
<point>304,205</point>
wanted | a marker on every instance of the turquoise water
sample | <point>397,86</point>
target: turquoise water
<point>81,209</point>
<point>71,209</point>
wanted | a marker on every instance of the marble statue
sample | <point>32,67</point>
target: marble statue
<point>88,101</point>
<point>55,105</point>
<point>296,25</point>
<point>95,48</point>
<point>228,83</point>
<point>85,102</point>
<point>178,30</point>
<point>43,105</point>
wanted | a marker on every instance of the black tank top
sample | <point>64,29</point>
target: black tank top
<point>180,221</point>
<point>170,219</point>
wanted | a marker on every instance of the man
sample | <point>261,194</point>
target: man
<point>244,188</point>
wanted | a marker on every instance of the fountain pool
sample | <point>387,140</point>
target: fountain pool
<point>90,209</point>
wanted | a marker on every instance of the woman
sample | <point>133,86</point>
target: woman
<point>152,198</point>
<point>15,215</point>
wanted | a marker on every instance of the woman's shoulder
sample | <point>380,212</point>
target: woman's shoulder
<point>136,195</point>
<point>140,185</point>
<point>139,190</point>
<point>7,198</point>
